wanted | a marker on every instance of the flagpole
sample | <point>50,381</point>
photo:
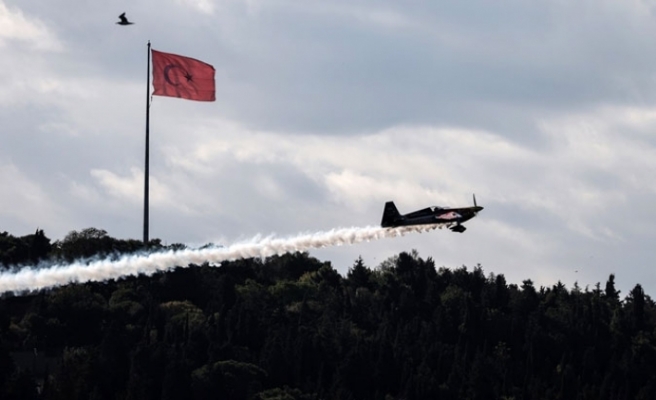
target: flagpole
<point>145,219</point>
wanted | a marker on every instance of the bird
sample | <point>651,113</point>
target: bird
<point>124,20</point>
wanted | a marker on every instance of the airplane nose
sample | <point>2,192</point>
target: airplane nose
<point>478,208</point>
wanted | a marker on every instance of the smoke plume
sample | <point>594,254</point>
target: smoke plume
<point>33,278</point>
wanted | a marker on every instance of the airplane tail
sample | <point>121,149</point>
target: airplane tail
<point>390,215</point>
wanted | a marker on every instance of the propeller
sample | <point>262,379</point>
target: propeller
<point>476,207</point>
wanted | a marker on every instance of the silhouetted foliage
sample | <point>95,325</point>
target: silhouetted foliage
<point>291,328</point>
<point>29,249</point>
<point>92,242</point>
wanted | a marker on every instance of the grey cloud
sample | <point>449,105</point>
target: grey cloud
<point>348,69</point>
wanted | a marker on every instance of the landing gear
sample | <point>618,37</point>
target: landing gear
<point>458,228</point>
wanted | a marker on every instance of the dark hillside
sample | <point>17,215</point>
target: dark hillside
<point>291,327</point>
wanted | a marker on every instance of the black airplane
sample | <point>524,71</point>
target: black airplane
<point>452,217</point>
<point>124,20</point>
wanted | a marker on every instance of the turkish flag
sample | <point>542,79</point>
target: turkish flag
<point>183,77</point>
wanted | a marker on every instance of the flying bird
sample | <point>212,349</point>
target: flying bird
<point>124,20</point>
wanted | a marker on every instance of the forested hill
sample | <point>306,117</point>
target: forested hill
<point>291,327</point>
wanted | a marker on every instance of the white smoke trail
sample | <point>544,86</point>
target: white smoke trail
<point>30,278</point>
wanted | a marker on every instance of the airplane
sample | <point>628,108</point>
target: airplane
<point>124,20</point>
<point>452,217</point>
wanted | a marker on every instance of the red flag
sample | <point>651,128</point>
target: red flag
<point>183,77</point>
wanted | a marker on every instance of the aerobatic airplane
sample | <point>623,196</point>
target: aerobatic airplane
<point>452,217</point>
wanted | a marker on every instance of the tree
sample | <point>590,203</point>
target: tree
<point>228,379</point>
<point>611,293</point>
<point>359,275</point>
<point>29,249</point>
<point>636,304</point>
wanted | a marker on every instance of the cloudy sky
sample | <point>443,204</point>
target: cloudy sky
<point>546,109</point>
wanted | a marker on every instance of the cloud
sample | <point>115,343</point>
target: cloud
<point>129,189</point>
<point>325,111</point>
<point>18,29</point>
<point>204,6</point>
<point>23,201</point>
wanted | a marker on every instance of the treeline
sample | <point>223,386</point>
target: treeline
<point>291,327</point>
